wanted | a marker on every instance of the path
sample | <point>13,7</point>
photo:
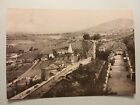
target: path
<point>119,83</point>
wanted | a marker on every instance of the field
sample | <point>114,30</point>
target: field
<point>45,43</point>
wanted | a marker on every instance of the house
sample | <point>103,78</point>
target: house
<point>44,57</point>
<point>9,62</point>
<point>11,58</point>
<point>102,48</point>
<point>62,51</point>
<point>51,56</point>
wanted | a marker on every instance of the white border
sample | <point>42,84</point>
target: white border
<point>95,100</point>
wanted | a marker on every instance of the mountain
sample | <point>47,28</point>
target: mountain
<point>118,26</point>
<point>114,26</point>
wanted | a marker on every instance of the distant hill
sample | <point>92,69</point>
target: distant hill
<point>114,26</point>
<point>117,26</point>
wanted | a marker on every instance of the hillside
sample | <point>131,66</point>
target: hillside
<point>118,26</point>
<point>114,26</point>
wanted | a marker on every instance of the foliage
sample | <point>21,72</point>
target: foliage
<point>86,36</point>
<point>54,52</point>
<point>103,54</point>
<point>129,41</point>
<point>95,37</point>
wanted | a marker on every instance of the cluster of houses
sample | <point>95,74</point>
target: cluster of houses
<point>59,53</point>
<point>14,59</point>
<point>30,56</point>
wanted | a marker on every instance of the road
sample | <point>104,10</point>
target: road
<point>119,83</point>
<point>30,72</point>
<point>42,88</point>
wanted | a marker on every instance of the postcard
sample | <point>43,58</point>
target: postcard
<point>69,53</point>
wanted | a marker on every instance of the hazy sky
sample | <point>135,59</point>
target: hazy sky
<point>54,16</point>
<point>57,21</point>
<point>71,4</point>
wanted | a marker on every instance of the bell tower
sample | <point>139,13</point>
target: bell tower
<point>71,53</point>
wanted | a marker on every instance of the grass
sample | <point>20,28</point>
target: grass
<point>83,77</point>
<point>13,73</point>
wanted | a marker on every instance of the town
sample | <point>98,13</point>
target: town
<point>88,64</point>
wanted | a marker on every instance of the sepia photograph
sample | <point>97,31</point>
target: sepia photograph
<point>69,53</point>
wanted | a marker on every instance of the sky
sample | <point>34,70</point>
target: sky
<point>58,16</point>
<point>71,4</point>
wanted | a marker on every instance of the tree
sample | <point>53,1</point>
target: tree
<point>86,36</point>
<point>54,52</point>
<point>96,37</point>
<point>20,51</point>
<point>103,54</point>
<point>31,49</point>
<point>39,56</point>
<point>86,44</point>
